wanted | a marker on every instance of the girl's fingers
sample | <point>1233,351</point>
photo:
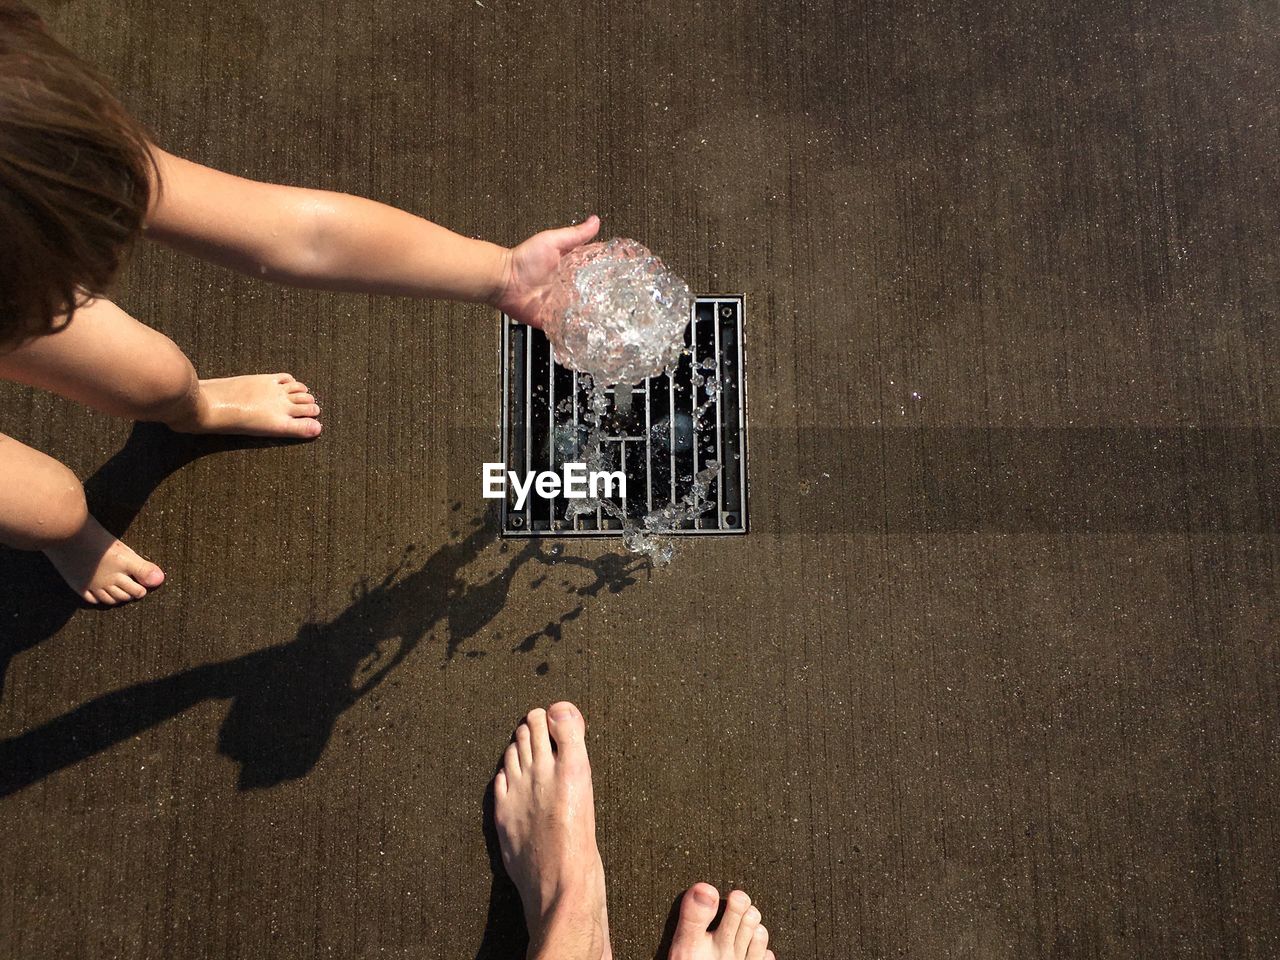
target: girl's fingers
<point>566,238</point>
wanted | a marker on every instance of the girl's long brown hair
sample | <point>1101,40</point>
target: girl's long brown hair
<point>76,177</point>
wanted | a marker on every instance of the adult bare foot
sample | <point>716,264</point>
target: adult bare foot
<point>740,936</point>
<point>101,569</point>
<point>258,405</point>
<point>546,822</point>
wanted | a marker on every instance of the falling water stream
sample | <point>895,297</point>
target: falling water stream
<point>647,536</point>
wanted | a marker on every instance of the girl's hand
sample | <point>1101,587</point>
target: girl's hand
<point>531,267</point>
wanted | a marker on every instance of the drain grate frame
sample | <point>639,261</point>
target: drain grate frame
<point>541,428</point>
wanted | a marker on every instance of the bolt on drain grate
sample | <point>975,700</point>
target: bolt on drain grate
<point>650,435</point>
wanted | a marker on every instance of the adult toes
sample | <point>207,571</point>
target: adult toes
<point>735,908</point>
<point>302,397</point>
<point>524,746</point>
<point>539,736</point>
<point>511,762</point>
<point>697,911</point>
<point>759,941</point>
<point>568,728</point>
<point>746,931</point>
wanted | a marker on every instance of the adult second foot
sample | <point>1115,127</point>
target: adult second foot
<point>739,936</point>
<point>257,405</point>
<point>545,814</point>
<point>101,569</point>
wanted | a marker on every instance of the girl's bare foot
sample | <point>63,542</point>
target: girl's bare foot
<point>101,569</point>
<point>258,405</point>
<point>738,937</point>
<point>546,823</point>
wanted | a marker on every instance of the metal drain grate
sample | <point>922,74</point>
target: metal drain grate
<point>653,442</point>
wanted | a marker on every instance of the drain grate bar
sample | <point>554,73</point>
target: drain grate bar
<point>656,440</point>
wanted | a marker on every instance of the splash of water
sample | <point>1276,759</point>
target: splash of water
<point>617,314</point>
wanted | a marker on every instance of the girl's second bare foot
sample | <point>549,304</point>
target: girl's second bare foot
<point>101,569</point>
<point>257,405</point>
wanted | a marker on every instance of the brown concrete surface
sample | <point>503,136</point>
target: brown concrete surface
<point>994,674</point>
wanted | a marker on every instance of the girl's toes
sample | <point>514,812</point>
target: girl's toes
<point>295,386</point>
<point>305,410</point>
<point>302,397</point>
<point>146,573</point>
<point>130,586</point>
<point>301,426</point>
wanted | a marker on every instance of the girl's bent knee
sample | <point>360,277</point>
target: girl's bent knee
<point>68,512</point>
<point>55,513</point>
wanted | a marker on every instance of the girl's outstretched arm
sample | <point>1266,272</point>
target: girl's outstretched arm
<point>334,241</point>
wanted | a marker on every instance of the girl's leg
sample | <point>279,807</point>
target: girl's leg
<point>109,361</point>
<point>42,507</point>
